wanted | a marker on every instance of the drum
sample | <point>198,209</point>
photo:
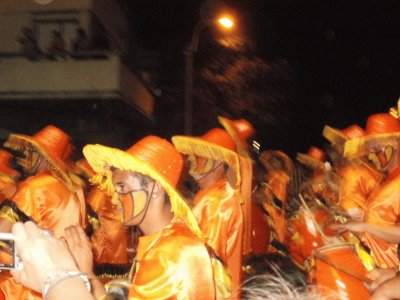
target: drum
<point>338,269</point>
<point>303,237</point>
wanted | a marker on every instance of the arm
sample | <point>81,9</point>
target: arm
<point>388,290</point>
<point>388,233</point>
<point>80,248</point>
<point>43,255</point>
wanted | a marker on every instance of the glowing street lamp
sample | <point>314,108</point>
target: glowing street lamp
<point>191,48</point>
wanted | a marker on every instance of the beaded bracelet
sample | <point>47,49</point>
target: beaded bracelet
<point>58,277</point>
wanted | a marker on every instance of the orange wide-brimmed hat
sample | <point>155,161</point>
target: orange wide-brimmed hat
<point>340,137</point>
<point>5,161</point>
<point>215,144</point>
<point>151,156</point>
<point>381,130</point>
<point>240,130</point>
<point>52,143</point>
<point>315,158</point>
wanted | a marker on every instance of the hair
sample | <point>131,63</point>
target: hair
<point>275,287</point>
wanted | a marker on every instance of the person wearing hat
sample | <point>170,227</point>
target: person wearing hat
<point>379,228</point>
<point>273,193</point>
<point>172,261</point>
<point>358,179</point>
<point>322,183</point>
<point>8,176</point>
<point>46,196</point>
<point>214,166</point>
<point>109,239</point>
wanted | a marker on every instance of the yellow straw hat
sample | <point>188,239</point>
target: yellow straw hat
<point>151,156</point>
<point>215,144</point>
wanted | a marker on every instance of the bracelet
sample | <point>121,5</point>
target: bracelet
<point>58,277</point>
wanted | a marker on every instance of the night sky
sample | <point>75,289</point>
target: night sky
<point>345,54</point>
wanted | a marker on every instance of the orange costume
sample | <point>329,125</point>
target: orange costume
<point>47,198</point>
<point>8,176</point>
<point>381,142</point>
<point>171,260</point>
<point>110,237</point>
<point>218,208</point>
<point>172,263</point>
<point>279,167</point>
<point>358,178</point>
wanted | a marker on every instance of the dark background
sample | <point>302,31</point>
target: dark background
<point>345,56</point>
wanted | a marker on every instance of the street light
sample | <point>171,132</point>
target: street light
<point>191,48</point>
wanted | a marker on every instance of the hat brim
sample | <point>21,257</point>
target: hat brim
<point>362,146</point>
<point>334,135</point>
<point>199,147</point>
<point>101,158</point>
<point>310,162</point>
<point>58,168</point>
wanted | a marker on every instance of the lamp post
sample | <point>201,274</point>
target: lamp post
<point>190,50</point>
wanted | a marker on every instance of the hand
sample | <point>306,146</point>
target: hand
<point>80,248</point>
<point>379,276</point>
<point>41,255</point>
<point>357,227</point>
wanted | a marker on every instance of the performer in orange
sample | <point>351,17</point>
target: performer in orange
<point>110,237</point>
<point>214,165</point>
<point>379,228</point>
<point>256,231</point>
<point>323,183</point>
<point>357,177</point>
<point>171,262</point>
<point>47,196</point>
<point>279,168</point>
<point>8,176</point>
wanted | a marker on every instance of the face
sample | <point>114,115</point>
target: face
<point>32,160</point>
<point>384,158</point>
<point>201,166</point>
<point>133,195</point>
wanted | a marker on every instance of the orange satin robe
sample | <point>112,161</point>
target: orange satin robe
<point>219,214</point>
<point>8,187</point>
<point>357,183</point>
<point>49,203</point>
<point>383,207</point>
<point>172,264</point>
<point>110,240</point>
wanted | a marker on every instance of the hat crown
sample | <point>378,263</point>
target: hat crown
<point>243,129</point>
<point>382,123</point>
<point>161,155</point>
<point>219,137</point>
<point>353,131</point>
<point>54,140</point>
<point>317,154</point>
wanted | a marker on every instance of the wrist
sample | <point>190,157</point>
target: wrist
<point>57,278</point>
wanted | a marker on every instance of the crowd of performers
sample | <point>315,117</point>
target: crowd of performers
<point>204,217</point>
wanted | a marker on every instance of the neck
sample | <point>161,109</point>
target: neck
<point>156,220</point>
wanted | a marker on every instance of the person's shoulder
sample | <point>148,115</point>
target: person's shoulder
<point>180,234</point>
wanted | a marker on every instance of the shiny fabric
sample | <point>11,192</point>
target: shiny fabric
<point>172,264</point>
<point>218,212</point>
<point>383,207</point>
<point>52,206</point>
<point>110,240</point>
<point>356,185</point>
<point>8,187</point>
